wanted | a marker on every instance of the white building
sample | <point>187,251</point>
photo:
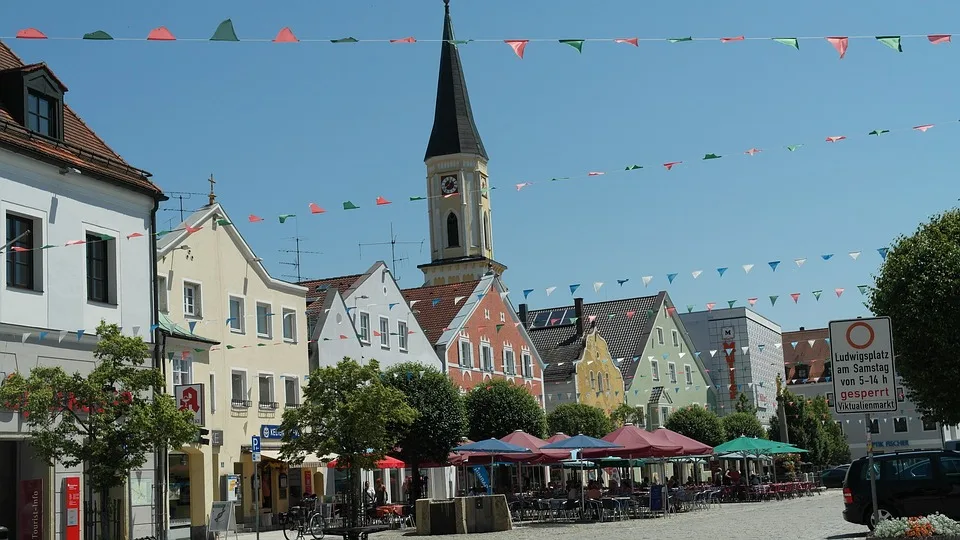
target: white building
<point>78,249</point>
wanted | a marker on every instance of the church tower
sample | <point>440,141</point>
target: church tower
<point>458,192</point>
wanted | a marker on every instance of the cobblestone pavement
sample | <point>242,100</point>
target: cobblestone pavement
<point>807,518</point>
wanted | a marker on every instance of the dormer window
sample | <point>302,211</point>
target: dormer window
<point>42,114</point>
<point>33,96</point>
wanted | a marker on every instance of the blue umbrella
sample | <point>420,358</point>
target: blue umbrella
<point>579,442</point>
<point>492,447</point>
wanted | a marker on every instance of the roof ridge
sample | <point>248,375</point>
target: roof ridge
<point>424,287</point>
<point>332,278</point>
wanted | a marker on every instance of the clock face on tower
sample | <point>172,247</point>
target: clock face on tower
<point>448,185</point>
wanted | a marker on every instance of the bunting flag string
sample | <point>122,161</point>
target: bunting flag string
<point>226,32</point>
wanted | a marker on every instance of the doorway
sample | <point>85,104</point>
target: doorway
<point>8,479</point>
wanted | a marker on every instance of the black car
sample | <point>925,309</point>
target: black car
<point>909,484</point>
<point>833,478</point>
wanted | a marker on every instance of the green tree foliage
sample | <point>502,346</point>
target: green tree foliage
<point>577,418</point>
<point>744,404</point>
<point>441,421</point>
<point>698,423</point>
<point>918,287</point>
<point>107,420</point>
<point>497,408</point>
<point>810,426</point>
<point>347,410</point>
<point>625,414</point>
<point>742,424</point>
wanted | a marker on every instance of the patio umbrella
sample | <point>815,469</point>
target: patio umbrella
<point>785,448</point>
<point>385,463</point>
<point>558,437</point>
<point>494,447</point>
<point>633,442</point>
<point>691,447</point>
<point>580,442</point>
<point>746,445</point>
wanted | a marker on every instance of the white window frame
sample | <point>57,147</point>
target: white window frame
<point>178,374</point>
<point>288,314</point>
<point>240,321</point>
<point>402,336</point>
<point>593,380</point>
<point>213,392</point>
<point>246,389</point>
<point>655,370</point>
<point>163,294</point>
<point>112,262</point>
<point>486,361</point>
<point>503,317</point>
<point>486,314</point>
<point>384,332</point>
<point>266,404</point>
<point>268,319</point>
<point>527,359</point>
<point>466,360</point>
<point>38,235</point>
<point>509,365</point>
<point>364,333</point>
<point>659,336</point>
<point>906,426</point>
<point>688,374</point>
<point>672,372</point>
<point>197,298</point>
<point>287,378</point>
<point>675,337</point>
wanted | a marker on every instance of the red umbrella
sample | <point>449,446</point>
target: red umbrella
<point>524,439</point>
<point>558,437</point>
<point>691,447</point>
<point>635,443</point>
<point>385,463</point>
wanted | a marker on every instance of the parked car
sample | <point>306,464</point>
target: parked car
<point>909,484</point>
<point>833,478</point>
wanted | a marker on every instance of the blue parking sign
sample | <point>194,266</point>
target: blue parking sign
<point>255,444</point>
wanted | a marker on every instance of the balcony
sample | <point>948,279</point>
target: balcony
<point>268,405</point>
<point>241,403</point>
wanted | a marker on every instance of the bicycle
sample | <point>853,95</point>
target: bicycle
<point>300,519</point>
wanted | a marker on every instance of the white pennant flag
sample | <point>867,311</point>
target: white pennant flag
<point>458,299</point>
<point>646,280</point>
<point>136,331</point>
<point>682,354</point>
<point>811,342</point>
<point>63,334</point>
<point>596,286</point>
<point>799,262</point>
<point>504,294</point>
<point>696,273</point>
<point>854,255</point>
<point>747,268</point>
<point>745,349</point>
<point>550,290</point>
<point>24,337</point>
<point>778,345</point>
<point>713,353</point>
<point>412,302</point>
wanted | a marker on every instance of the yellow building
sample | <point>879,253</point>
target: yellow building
<point>235,341</point>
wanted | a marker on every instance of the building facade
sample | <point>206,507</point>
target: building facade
<point>744,353</point>
<point>79,225</point>
<point>215,289</point>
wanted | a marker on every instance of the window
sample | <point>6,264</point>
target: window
<point>606,378</point>
<point>289,324</point>
<point>676,338</point>
<point>875,426</point>
<point>41,114</point>
<point>486,357</point>
<point>384,333</point>
<point>900,424</point>
<point>182,368</point>
<point>365,327</point>
<point>265,387</point>
<point>900,395</point>
<point>829,399</point>
<point>98,268</point>
<point>486,314</point>
<point>213,393</point>
<point>503,317</point>
<point>291,393</point>
<point>827,369</point>
<point>672,371</point>
<point>688,373</point>
<point>680,346</point>
<point>238,389</point>
<point>950,466</point>
<point>840,426</point>
<point>263,320</point>
<point>20,264</point>
<point>466,354</point>
<point>659,336</point>
<point>236,314</point>
<point>928,425</point>
<point>593,381</point>
<point>655,370</point>
<point>163,297</point>
<point>802,372</point>
<point>912,468</point>
<point>402,336</point>
<point>487,241</point>
<point>191,299</point>
<point>664,413</point>
<point>509,362</point>
<point>453,231</point>
<point>527,364</point>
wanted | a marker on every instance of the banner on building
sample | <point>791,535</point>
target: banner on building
<point>30,517</point>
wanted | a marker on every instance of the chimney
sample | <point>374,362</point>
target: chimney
<point>802,329</point>
<point>578,307</point>
<point>523,314</point>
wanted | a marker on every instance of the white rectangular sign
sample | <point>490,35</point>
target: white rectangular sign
<point>190,398</point>
<point>222,517</point>
<point>864,379</point>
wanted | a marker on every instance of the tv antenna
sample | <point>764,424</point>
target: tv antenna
<point>181,196</point>
<point>295,263</point>
<point>393,243</point>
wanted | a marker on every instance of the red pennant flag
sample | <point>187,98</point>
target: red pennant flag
<point>840,44</point>
<point>253,219</point>
<point>160,34</point>
<point>839,292</point>
<point>285,35</point>
<point>315,208</point>
<point>795,296</point>
<point>134,235</point>
<point>753,151</point>
<point>671,310</point>
<point>729,39</point>
<point>752,301</point>
<point>630,314</point>
<point>711,305</point>
<point>343,337</point>
<point>410,39</point>
<point>554,321</point>
<point>836,138</point>
<point>376,334</point>
<point>19,249</point>
<point>595,174</point>
<point>75,242</point>
<point>518,45</point>
<point>632,41</point>
<point>669,166</point>
<point>191,230</point>
<point>411,332</point>
<point>923,128</point>
<point>937,39</point>
<point>381,201</point>
<point>30,33</point>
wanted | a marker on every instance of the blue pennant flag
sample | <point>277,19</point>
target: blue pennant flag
<point>193,324</point>
<point>574,287</point>
<point>80,334</point>
<point>883,253</point>
<point>665,355</point>
<point>827,256</point>
<point>827,340</point>
<point>480,296</point>
<point>774,265</point>
<point>721,270</point>
<point>526,293</point>
<point>390,306</point>
<point>435,301</point>
<point>620,282</point>
<point>671,277</point>
<point>42,335</point>
<point>794,344</point>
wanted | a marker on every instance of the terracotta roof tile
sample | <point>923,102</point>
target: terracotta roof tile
<point>434,318</point>
<point>813,357</point>
<point>81,147</point>
<point>317,290</point>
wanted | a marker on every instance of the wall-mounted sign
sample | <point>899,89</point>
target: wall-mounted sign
<point>190,398</point>
<point>30,517</point>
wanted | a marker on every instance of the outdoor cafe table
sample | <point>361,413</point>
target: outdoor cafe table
<point>390,509</point>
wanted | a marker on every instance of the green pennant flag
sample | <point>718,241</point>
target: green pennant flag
<point>689,308</point>
<point>611,315</point>
<point>650,313</point>
<point>680,40</point>
<point>284,217</point>
<point>223,222</point>
<point>575,43</point>
<point>261,344</point>
<point>47,246</point>
<point>730,303</point>
<point>879,132</point>
<point>198,350</point>
<point>99,34</point>
<point>891,41</point>
<point>163,233</point>
<point>816,294</point>
<point>499,326</point>
<point>794,147</point>
<point>561,178</point>
<point>573,320</point>
<point>344,40</point>
<point>418,198</point>
<point>863,288</point>
<point>712,156</point>
<point>633,167</point>
<point>773,300</point>
<point>225,32</point>
<point>788,41</point>
<point>459,41</point>
<point>349,206</point>
<point>231,347</point>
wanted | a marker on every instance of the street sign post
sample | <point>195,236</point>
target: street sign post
<point>864,376</point>
<point>255,450</point>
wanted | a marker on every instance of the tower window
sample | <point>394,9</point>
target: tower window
<point>453,231</point>
<point>486,232</point>
<point>41,114</point>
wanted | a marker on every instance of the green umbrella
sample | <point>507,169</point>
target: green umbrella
<point>784,448</point>
<point>746,445</point>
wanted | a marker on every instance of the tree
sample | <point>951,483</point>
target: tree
<point>744,404</point>
<point>107,420</point>
<point>918,286</point>
<point>809,426</point>
<point>625,414</point>
<point>347,410</point>
<point>496,408</point>
<point>577,418</point>
<point>698,423</point>
<point>742,424</point>
<point>441,421</point>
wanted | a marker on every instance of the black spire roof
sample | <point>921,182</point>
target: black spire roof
<point>454,130</point>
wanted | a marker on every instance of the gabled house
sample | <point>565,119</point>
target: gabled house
<point>646,340</point>
<point>364,317</point>
<point>477,333</point>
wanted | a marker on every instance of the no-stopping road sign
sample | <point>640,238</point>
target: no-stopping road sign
<point>864,379</point>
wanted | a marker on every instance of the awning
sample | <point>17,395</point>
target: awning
<point>310,460</point>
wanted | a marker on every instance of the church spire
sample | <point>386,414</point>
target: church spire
<point>454,130</point>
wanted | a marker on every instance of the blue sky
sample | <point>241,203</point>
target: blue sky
<point>284,125</point>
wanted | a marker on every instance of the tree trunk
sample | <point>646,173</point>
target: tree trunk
<point>415,486</point>
<point>104,514</point>
<point>353,497</point>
